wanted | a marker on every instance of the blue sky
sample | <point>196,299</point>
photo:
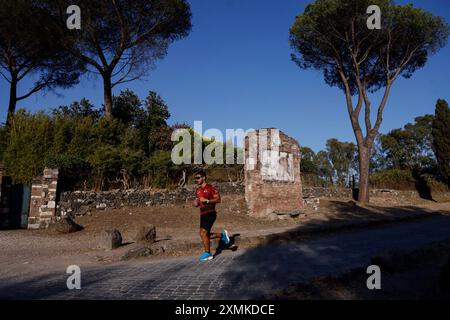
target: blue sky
<point>234,71</point>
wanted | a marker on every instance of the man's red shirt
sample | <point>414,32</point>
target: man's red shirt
<point>207,192</point>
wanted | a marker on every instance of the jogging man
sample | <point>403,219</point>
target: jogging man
<point>206,198</point>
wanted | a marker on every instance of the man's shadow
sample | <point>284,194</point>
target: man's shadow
<point>231,246</point>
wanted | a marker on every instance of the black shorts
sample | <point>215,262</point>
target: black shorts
<point>207,220</point>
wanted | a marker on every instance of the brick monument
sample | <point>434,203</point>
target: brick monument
<point>272,173</point>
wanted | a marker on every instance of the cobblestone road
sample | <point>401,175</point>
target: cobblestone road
<point>231,275</point>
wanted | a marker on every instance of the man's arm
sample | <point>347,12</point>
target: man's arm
<point>196,203</point>
<point>215,199</point>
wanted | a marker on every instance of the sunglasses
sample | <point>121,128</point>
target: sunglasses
<point>198,178</point>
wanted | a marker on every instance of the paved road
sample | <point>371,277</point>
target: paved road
<point>231,275</point>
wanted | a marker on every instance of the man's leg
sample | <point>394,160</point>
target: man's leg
<point>205,239</point>
<point>215,235</point>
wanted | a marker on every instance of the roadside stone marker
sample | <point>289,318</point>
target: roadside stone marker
<point>111,239</point>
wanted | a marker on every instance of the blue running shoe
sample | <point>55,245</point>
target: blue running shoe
<point>206,256</point>
<point>225,237</point>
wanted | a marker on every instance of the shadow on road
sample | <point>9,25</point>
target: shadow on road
<point>231,246</point>
<point>282,260</point>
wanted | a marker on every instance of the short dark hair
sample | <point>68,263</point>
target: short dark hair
<point>201,173</point>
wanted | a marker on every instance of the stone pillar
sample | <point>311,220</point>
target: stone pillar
<point>43,200</point>
<point>5,198</point>
<point>272,173</point>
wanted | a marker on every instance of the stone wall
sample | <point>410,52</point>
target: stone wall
<point>42,210</point>
<point>82,202</point>
<point>272,173</point>
<point>335,193</point>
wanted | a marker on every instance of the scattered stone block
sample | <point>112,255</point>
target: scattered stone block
<point>67,225</point>
<point>83,210</point>
<point>111,239</point>
<point>146,234</point>
<point>101,206</point>
<point>140,251</point>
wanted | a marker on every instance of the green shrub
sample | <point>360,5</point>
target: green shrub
<point>398,179</point>
<point>91,151</point>
<point>74,172</point>
<point>393,179</point>
<point>3,138</point>
<point>29,141</point>
<point>105,162</point>
<point>157,169</point>
<point>434,184</point>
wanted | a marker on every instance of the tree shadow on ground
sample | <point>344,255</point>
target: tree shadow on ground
<point>423,187</point>
<point>303,253</point>
<point>47,286</point>
<point>114,282</point>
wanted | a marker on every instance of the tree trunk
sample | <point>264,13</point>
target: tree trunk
<point>107,92</point>
<point>364,162</point>
<point>12,100</point>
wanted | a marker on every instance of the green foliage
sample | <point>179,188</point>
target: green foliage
<point>324,167</point>
<point>157,167</point>
<point>404,159</point>
<point>108,131</point>
<point>90,150</point>
<point>307,160</point>
<point>28,47</point>
<point>332,36</point>
<point>393,179</point>
<point>342,156</point>
<point>441,138</point>
<point>433,184</point>
<point>29,140</point>
<point>120,40</point>
<point>78,109</point>
<point>317,169</point>
<point>321,40</point>
<point>3,138</point>
<point>74,171</point>
<point>408,148</point>
<point>404,179</point>
<point>154,123</point>
<point>127,107</point>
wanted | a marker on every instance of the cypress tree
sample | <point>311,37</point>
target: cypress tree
<point>441,138</point>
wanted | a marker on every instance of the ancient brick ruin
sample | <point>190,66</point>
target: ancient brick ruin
<point>272,173</point>
<point>43,200</point>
